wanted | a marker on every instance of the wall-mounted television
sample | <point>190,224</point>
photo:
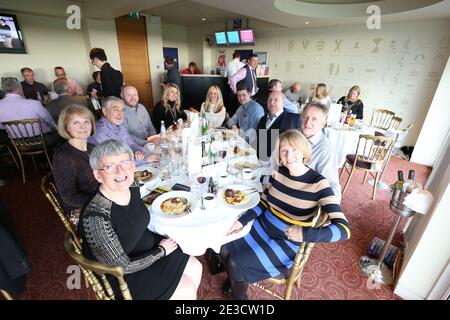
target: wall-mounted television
<point>221,38</point>
<point>247,36</point>
<point>11,40</point>
<point>233,37</point>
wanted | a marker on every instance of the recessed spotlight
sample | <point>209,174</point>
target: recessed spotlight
<point>307,22</point>
<point>203,19</point>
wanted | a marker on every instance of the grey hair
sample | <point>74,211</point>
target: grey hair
<point>60,86</point>
<point>109,101</point>
<point>106,149</point>
<point>317,105</point>
<point>10,84</point>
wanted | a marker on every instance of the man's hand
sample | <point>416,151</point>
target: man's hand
<point>139,155</point>
<point>156,139</point>
<point>153,158</point>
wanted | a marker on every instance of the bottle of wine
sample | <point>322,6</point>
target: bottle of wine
<point>412,185</point>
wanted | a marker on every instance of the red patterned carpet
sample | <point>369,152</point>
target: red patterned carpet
<point>332,271</point>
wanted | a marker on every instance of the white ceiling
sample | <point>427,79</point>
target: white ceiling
<point>275,13</point>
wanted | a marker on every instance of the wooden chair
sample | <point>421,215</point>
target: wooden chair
<point>28,140</point>
<point>370,156</point>
<point>6,295</point>
<point>295,273</point>
<point>381,118</point>
<point>395,123</point>
<point>48,187</point>
<point>95,272</point>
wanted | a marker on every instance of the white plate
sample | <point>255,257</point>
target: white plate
<point>234,164</point>
<point>156,205</point>
<point>153,170</point>
<point>250,203</point>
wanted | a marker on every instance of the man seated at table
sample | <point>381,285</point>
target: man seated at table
<point>137,119</point>
<point>111,126</point>
<point>275,85</point>
<point>15,107</point>
<point>277,121</point>
<point>60,74</point>
<point>247,115</point>
<point>33,89</point>
<point>66,97</point>
<point>324,159</point>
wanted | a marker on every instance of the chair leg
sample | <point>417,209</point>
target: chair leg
<point>34,163</point>
<point>374,192</point>
<point>348,181</point>
<point>365,177</point>
<point>12,156</point>
<point>22,167</point>
<point>6,295</point>
<point>342,170</point>
<point>48,160</point>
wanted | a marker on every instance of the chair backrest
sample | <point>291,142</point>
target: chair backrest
<point>395,123</point>
<point>91,269</point>
<point>48,187</point>
<point>373,149</point>
<point>25,134</point>
<point>381,118</point>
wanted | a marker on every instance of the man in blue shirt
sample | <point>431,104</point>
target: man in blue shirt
<point>247,116</point>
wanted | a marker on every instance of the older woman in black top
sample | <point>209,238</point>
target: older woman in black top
<point>352,102</point>
<point>169,108</point>
<point>113,227</point>
<point>73,175</point>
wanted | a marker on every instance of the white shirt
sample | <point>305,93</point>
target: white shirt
<point>232,67</point>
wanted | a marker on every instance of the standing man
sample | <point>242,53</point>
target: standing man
<point>324,158</point>
<point>173,75</point>
<point>277,121</point>
<point>137,120</point>
<point>33,89</point>
<point>247,75</point>
<point>112,79</point>
<point>60,74</point>
<point>247,115</point>
<point>234,65</point>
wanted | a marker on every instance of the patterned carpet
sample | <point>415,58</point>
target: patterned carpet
<point>331,273</point>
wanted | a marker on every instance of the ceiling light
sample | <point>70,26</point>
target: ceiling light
<point>306,22</point>
<point>203,19</point>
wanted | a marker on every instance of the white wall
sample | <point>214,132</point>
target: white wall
<point>400,73</point>
<point>175,36</point>
<point>432,137</point>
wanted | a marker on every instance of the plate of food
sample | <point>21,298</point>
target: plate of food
<point>239,196</point>
<point>145,174</point>
<point>241,152</point>
<point>236,165</point>
<point>174,204</point>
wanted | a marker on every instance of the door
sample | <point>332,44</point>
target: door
<point>133,50</point>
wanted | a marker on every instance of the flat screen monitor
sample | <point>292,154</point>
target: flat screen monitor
<point>233,37</point>
<point>221,38</point>
<point>247,36</point>
<point>11,40</point>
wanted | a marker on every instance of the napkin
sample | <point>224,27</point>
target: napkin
<point>419,201</point>
<point>214,169</point>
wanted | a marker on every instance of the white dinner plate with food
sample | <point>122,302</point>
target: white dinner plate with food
<point>238,196</point>
<point>174,204</point>
<point>144,174</point>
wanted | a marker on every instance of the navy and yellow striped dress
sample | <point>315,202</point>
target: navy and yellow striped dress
<point>265,251</point>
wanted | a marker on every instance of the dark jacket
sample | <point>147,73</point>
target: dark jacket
<point>283,122</point>
<point>356,108</point>
<point>14,264</point>
<point>55,107</point>
<point>112,81</point>
<point>159,114</point>
<point>248,81</point>
<point>173,76</point>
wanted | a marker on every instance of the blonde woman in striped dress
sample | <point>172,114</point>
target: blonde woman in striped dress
<point>283,219</point>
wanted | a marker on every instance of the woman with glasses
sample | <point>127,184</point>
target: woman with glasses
<point>283,219</point>
<point>113,227</point>
<point>73,175</point>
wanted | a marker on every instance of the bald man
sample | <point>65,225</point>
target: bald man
<point>275,122</point>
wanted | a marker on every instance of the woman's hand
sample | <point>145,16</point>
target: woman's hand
<point>294,233</point>
<point>169,245</point>
<point>155,139</point>
<point>139,155</point>
<point>235,228</point>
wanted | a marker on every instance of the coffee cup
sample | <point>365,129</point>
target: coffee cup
<point>223,178</point>
<point>209,201</point>
<point>247,174</point>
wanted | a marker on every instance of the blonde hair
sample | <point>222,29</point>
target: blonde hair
<point>356,88</point>
<point>165,97</point>
<point>219,104</point>
<point>296,140</point>
<point>320,91</point>
<point>68,112</point>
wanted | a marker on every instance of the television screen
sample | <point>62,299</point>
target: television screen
<point>247,36</point>
<point>11,40</point>
<point>221,38</point>
<point>233,37</point>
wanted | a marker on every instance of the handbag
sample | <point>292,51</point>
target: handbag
<point>214,262</point>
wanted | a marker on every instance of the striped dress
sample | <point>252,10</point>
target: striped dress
<point>265,251</point>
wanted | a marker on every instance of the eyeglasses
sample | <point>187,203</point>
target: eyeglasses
<point>114,168</point>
